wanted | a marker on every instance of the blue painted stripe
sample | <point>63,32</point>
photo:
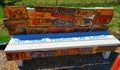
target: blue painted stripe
<point>60,35</point>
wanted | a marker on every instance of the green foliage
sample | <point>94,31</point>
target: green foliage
<point>1,12</point>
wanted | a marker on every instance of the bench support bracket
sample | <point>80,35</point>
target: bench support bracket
<point>19,63</point>
<point>106,55</point>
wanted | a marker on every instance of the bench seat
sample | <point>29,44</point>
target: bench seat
<point>46,42</point>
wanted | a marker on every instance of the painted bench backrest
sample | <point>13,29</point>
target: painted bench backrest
<point>22,20</point>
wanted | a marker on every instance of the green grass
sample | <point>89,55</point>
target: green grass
<point>114,25</point>
<point>4,36</point>
<point>59,2</point>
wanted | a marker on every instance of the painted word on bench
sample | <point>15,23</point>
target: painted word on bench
<point>60,52</point>
<point>18,56</point>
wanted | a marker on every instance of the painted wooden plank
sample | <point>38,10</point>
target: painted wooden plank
<point>16,26</point>
<point>85,13</point>
<point>105,12</point>
<point>46,9</point>
<point>65,10</point>
<point>66,17</point>
<point>18,56</point>
<point>39,15</point>
<point>15,12</point>
<point>40,22</point>
<point>63,29</point>
<point>61,52</point>
<point>105,49</point>
<point>102,19</point>
<point>36,29</point>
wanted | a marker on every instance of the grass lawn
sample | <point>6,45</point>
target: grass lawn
<point>4,36</point>
<point>59,2</point>
<point>114,25</point>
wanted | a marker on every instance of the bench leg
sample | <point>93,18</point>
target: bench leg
<point>106,55</point>
<point>19,63</point>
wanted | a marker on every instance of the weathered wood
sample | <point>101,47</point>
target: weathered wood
<point>36,29</point>
<point>105,49</point>
<point>39,15</point>
<point>17,26</point>
<point>60,52</point>
<point>46,9</point>
<point>16,23</point>
<point>64,10</point>
<point>55,29</point>
<point>85,13</point>
<point>62,29</point>
<point>58,22</point>
<point>18,56</point>
<point>15,12</point>
<point>66,17</point>
<point>105,12</point>
<point>99,28</point>
<point>83,22</point>
<point>102,19</point>
<point>88,19</point>
<point>40,22</point>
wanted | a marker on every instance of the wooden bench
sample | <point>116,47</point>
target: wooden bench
<point>56,31</point>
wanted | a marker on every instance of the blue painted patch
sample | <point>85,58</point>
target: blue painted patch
<point>87,21</point>
<point>59,35</point>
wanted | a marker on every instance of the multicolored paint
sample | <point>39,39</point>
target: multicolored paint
<point>39,15</point>
<point>58,19</point>
<point>60,52</point>
<point>40,22</point>
<point>36,29</point>
<point>63,29</point>
<point>18,56</point>
<point>13,12</point>
<point>46,9</point>
<point>54,20</point>
<point>64,17</point>
<point>16,26</point>
<point>64,10</point>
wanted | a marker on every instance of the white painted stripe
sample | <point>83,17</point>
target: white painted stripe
<point>61,45</point>
<point>48,40</point>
